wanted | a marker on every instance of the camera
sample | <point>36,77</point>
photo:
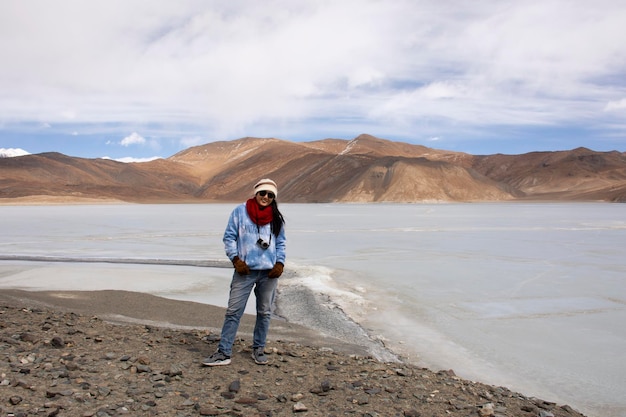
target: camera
<point>262,243</point>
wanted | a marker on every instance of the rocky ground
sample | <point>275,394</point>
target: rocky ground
<point>61,363</point>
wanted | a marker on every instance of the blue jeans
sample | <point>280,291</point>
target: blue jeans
<point>240,289</point>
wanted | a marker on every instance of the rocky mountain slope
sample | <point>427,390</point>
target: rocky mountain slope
<point>365,169</point>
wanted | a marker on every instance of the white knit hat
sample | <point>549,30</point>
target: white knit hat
<point>266,185</point>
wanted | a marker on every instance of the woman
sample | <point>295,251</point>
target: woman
<point>254,241</point>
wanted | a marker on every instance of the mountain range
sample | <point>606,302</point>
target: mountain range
<point>365,169</point>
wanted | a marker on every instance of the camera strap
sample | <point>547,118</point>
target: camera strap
<point>258,231</point>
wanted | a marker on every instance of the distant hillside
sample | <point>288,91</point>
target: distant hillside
<point>55,174</point>
<point>365,169</point>
<point>579,174</point>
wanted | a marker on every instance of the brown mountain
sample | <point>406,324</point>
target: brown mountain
<point>55,174</point>
<point>579,174</point>
<point>365,169</point>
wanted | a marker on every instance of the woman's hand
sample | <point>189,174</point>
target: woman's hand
<point>241,266</point>
<point>276,271</point>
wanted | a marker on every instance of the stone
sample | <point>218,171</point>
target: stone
<point>326,385</point>
<point>15,399</point>
<point>57,342</point>
<point>299,407</point>
<point>143,368</point>
<point>143,360</point>
<point>29,338</point>
<point>235,386</point>
<point>174,370</point>
<point>487,410</point>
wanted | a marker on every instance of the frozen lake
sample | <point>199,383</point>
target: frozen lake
<point>529,296</point>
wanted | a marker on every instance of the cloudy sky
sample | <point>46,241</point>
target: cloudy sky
<point>145,78</point>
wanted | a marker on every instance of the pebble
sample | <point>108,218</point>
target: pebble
<point>487,410</point>
<point>57,342</point>
<point>299,407</point>
<point>235,386</point>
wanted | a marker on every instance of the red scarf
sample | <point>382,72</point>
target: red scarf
<point>259,215</point>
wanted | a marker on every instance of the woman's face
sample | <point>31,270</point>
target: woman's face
<point>264,200</point>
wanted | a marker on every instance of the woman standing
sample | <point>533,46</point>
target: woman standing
<point>254,241</point>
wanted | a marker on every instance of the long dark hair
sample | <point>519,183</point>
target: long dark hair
<point>278,219</point>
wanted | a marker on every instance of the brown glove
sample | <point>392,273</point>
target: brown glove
<point>241,266</point>
<point>276,271</point>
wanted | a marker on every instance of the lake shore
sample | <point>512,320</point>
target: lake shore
<point>109,353</point>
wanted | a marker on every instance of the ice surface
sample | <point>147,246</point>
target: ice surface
<point>531,296</point>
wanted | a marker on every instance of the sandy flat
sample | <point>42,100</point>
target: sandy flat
<point>133,307</point>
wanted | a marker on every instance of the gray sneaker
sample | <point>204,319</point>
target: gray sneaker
<point>258,354</point>
<point>216,359</point>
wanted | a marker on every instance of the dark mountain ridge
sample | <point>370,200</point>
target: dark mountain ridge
<point>364,169</point>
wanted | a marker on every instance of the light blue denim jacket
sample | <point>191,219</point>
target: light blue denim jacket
<point>241,236</point>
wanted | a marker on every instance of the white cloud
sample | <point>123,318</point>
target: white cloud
<point>615,105</point>
<point>233,68</point>
<point>442,90</point>
<point>133,139</point>
<point>12,152</point>
<point>188,142</point>
<point>129,159</point>
<point>69,115</point>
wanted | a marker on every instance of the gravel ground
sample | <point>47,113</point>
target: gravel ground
<point>69,355</point>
